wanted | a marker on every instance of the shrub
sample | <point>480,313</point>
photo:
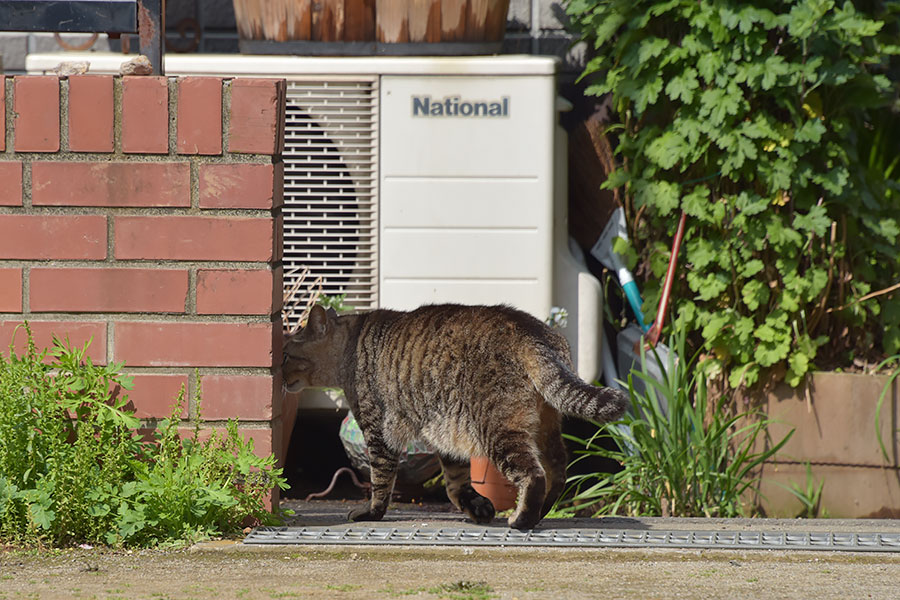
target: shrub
<point>73,467</point>
<point>767,123</point>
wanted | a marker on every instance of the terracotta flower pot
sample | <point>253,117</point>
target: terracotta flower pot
<point>491,484</point>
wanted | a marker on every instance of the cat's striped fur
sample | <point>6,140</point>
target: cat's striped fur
<point>467,380</point>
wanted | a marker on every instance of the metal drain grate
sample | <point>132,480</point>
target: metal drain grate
<point>578,538</point>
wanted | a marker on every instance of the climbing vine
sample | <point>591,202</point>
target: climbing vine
<point>770,125</point>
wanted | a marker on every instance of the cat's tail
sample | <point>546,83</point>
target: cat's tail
<point>564,390</point>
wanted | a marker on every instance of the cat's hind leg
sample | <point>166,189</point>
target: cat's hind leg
<point>554,457</point>
<point>383,463</point>
<point>516,456</point>
<point>458,481</point>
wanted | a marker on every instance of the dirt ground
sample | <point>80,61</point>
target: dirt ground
<point>456,573</point>
<point>230,569</point>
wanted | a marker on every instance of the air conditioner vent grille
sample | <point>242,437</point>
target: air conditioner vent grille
<point>330,188</point>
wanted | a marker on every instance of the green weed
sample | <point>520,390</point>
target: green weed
<point>681,455</point>
<point>391,591</point>
<point>74,468</point>
<point>464,590</point>
<point>344,587</point>
<point>810,495</point>
<point>773,127</point>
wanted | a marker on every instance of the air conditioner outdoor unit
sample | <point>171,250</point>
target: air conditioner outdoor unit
<point>413,180</point>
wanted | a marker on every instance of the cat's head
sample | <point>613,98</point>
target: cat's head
<point>311,355</point>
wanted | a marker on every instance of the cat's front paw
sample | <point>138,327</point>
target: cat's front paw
<point>479,509</point>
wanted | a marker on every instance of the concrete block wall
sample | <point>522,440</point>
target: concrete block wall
<point>143,214</point>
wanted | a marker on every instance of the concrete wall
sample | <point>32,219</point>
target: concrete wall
<point>834,422</point>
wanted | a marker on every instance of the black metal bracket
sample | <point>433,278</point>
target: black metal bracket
<point>143,17</point>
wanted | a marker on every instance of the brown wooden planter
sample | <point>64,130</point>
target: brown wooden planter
<point>835,432</point>
<point>359,27</point>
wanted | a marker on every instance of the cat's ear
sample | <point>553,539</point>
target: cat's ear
<point>318,321</point>
<point>332,314</point>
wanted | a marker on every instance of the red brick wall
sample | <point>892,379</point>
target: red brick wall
<point>143,213</point>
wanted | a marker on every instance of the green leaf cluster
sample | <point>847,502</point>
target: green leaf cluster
<point>74,467</point>
<point>767,124</point>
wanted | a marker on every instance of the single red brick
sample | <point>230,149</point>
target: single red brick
<point>153,396</point>
<point>241,186</point>
<point>244,397</point>
<point>108,290</point>
<point>91,113</point>
<point>36,112</point>
<point>78,334</point>
<point>10,182</point>
<point>194,238</point>
<point>145,115</point>
<point>236,292</point>
<point>199,128</point>
<point>257,116</point>
<point>177,344</point>
<point>10,291</point>
<point>62,237</point>
<point>111,183</point>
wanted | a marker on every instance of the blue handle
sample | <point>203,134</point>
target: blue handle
<point>634,300</point>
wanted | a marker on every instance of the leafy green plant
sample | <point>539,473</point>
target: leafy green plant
<point>464,590</point>
<point>73,467</point>
<point>190,488</point>
<point>759,121</point>
<point>61,436</point>
<point>809,495</point>
<point>681,455</point>
<point>338,302</point>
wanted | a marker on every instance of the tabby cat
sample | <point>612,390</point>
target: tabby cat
<point>467,380</point>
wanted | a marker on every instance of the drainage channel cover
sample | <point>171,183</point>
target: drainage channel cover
<point>577,538</point>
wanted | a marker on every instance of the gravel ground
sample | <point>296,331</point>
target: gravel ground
<point>229,569</point>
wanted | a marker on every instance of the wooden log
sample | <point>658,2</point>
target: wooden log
<point>275,20</point>
<point>453,20</point>
<point>392,21</point>
<point>425,21</point>
<point>247,17</point>
<point>359,20</point>
<point>495,24</point>
<point>327,20</point>
<point>476,19</point>
<point>300,20</point>
<point>385,21</point>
